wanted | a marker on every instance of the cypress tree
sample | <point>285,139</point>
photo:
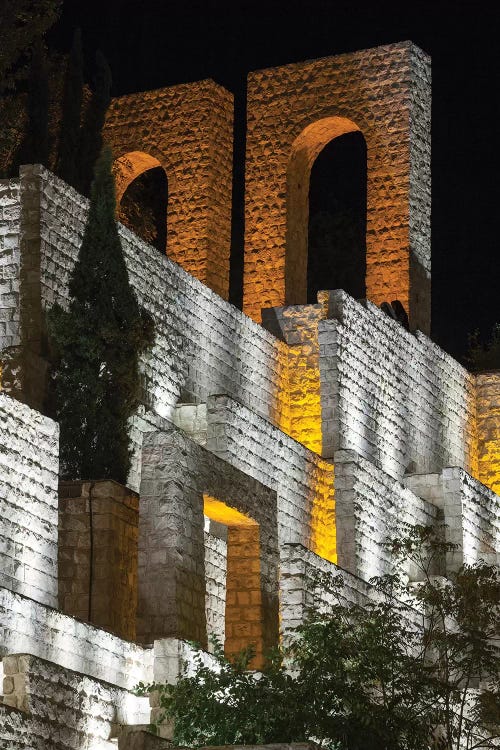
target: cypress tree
<point>91,133</point>
<point>96,345</point>
<point>72,104</point>
<point>36,149</point>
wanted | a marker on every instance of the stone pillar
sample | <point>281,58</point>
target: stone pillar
<point>187,130</point>
<point>171,545</point>
<point>294,111</point>
<point>98,533</point>
<point>488,428</point>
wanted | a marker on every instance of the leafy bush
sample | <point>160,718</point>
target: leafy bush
<point>372,676</point>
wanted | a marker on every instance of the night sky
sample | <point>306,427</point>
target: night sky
<point>151,44</point>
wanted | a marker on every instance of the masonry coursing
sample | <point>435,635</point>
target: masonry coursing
<point>325,428</point>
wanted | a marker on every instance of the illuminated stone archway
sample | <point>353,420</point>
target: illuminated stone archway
<point>293,111</point>
<point>305,149</point>
<point>130,166</point>
<point>187,130</point>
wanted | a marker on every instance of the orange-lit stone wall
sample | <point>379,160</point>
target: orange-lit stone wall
<point>488,428</point>
<point>188,130</point>
<point>293,112</point>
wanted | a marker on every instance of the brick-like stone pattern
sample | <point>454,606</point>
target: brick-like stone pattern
<point>98,536</point>
<point>394,397</point>
<point>176,475</point>
<point>10,229</point>
<point>488,428</point>
<point>301,479</point>
<point>203,344</point>
<point>188,130</point>
<point>370,508</point>
<point>29,627</point>
<point>293,112</point>
<point>301,589</point>
<point>298,327</point>
<point>28,501</point>
<point>215,580</point>
<point>61,709</point>
<point>304,586</point>
<point>472,515</point>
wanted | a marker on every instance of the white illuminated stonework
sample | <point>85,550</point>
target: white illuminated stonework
<point>262,454</point>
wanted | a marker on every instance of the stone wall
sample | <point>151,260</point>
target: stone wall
<point>203,344</point>
<point>301,587</point>
<point>371,506</point>
<point>177,477</point>
<point>10,227</point>
<point>97,553</point>
<point>29,627</point>
<point>28,501</point>
<point>62,709</point>
<point>472,515</point>
<point>188,130</point>
<point>215,580</point>
<point>293,112</point>
<point>302,480</point>
<point>394,397</point>
<point>488,428</point>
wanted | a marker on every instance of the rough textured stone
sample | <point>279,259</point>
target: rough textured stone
<point>188,130</point>
<point>28,501</point>
<point>293,112</point>
<point>62,709</point>
<point>394,397</point>
<point>29,627</point>
<point>488,428</point>
<point>370,508</point>
<point>177,476</point>
<point>97,553</point>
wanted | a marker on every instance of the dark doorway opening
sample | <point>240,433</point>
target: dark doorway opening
<point>143,207</point>
<point>337,218</point>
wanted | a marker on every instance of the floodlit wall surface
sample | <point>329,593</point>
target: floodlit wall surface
<point>70,710</point>
<point>203,344</point>
<point>394,397</point>
<point>303,481</point>
<point>293,112</point>
<point>29,627</point>
<point>10,228</point>
<point>178,477</point>
<point>28,501</point>
<point>188,130</point>
<point>98,532</point>
<point>472,514</point>
<point>370,506</point>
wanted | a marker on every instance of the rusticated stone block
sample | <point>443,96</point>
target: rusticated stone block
<point>98,533</point>
<point>293,112</point>
<point>188,130</point>
<point>178,476</point>
<point>488,428</point>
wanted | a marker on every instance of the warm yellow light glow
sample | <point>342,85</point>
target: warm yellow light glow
<point>323,540</point>
<point>244,617</point>
<point>488,429</point>
<point>222,513</point>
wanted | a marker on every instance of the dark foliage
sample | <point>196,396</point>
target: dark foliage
<point>143,208</point>
<point>96,346</point>
<point>93,123</point>
<point>484,356</point>
<point>371,675</point>
<point>23,24</point>
<point>67,161</point>
<point>35,149</point>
